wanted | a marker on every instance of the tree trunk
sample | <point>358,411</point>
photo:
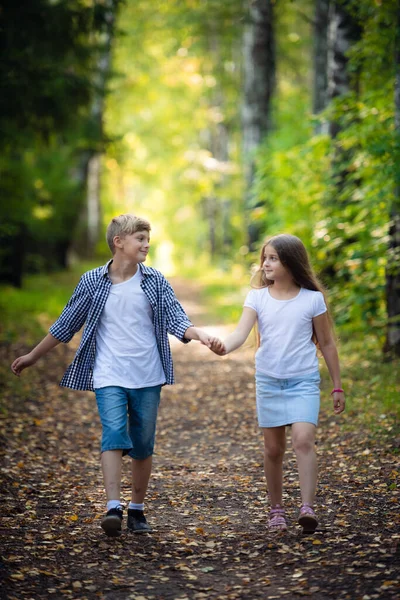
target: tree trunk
<point>392,345</point>
<point>93,201</point>
<point>320,91</point>
<point>12,253</point>
<point>344,31</point>
<point>91,166</point>
<point>218,208</point>
<point>259,86</point>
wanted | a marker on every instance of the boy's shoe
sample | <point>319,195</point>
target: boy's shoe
<point>277,521</point>
<point>307,518</point>
<point>137,521</point>
<point>112,522</point>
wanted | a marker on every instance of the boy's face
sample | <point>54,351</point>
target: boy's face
<point>134,246</point>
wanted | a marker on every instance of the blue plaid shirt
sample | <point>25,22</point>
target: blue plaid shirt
<point>86,305</point>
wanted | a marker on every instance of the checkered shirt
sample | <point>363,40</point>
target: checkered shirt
<point>85,307</point>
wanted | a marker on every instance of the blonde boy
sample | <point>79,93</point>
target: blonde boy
<point>124,356</point>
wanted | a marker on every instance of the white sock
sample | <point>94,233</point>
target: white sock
<point>134,506</point>
<point>113,504</point>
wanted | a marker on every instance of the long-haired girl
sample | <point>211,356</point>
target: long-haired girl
<point>288,303</point>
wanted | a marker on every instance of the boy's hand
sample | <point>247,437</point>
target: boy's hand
<point>204,338</point>
<point>21,363</point>
<point>218,347</point>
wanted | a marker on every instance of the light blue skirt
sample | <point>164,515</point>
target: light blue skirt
<point>287,401</point>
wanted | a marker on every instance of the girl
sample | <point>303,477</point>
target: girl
<point>288,304</point>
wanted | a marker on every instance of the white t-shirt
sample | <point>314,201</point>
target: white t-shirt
<point>126,347</point>
<point>285,328</point>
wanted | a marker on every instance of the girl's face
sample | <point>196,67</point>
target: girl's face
<point>272,266</point>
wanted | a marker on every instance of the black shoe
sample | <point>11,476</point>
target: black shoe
<point>137,521</point>
<point>112,522</point>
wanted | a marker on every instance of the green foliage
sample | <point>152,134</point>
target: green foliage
<point>371,385</point>
<point>177,87</point>
<point>29,311</point>
<point>351,238</point>
<point>336,195</point>
<point>45,66</point>
<point>48,82</point>
<point>173,151</point>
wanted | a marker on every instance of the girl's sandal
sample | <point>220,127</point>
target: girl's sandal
<point>277,520</point>
<point>307,518</point>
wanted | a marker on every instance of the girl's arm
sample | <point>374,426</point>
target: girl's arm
<point>327,345</point>
<point>239,336</point>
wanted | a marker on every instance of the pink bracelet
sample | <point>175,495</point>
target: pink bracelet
<point>337,390</point>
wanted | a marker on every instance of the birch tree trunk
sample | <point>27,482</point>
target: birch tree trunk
<point>343,33</point>
<point>320,58</point>
<point>94,163</point>
<point>89,167</point>
<point>259,86</point>
<point>392,344</point>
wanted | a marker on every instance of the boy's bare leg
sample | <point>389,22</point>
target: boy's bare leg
<point>111,464</point>
<point>141,470</point>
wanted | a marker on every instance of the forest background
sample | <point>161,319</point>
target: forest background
<point>220,121</point>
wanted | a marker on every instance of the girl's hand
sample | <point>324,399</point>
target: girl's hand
<point>218,347</point>
<point>339,402</point>
<point>21,363</point>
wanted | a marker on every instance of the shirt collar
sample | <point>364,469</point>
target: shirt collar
<point>104,269</point>
<point>143,269</point>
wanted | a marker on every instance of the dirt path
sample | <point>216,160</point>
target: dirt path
<point>207,499</point>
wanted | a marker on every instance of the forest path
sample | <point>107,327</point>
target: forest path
<point>206,501</point>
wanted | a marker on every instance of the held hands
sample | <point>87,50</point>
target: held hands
<point>211,342</point>
<point>218,347</point>
<point>339,402</point>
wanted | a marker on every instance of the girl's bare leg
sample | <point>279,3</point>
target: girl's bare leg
<point>274,450</point>
<point>303,440</point>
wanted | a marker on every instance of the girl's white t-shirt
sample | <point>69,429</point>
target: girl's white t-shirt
<point>285,327</point>
<point>126,347</point>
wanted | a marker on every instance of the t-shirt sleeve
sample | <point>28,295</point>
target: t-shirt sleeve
<point>319,305</point>
<point>251,300</point>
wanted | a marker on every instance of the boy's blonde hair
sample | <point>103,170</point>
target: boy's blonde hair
<point>125,225</point>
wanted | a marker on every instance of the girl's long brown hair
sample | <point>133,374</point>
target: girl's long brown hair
<point>293,255</point>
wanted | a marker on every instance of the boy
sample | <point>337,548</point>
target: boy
<point>124,357</point>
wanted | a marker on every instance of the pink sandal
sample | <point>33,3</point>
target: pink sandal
<point>307,518</point>
<point>277,520</point>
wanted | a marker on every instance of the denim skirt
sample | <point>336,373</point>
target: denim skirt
<point>287,401</point>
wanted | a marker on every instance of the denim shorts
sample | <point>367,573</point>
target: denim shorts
<point>128,418</point>
<point>287,401</point>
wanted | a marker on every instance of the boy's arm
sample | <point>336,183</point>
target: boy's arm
<point>327,345</point>
<point>239,336</point>
<point>48,343</point>
<point>178,322</point>
<point>194,333</point>
<point>73,315</point>
<point>69,322</point>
